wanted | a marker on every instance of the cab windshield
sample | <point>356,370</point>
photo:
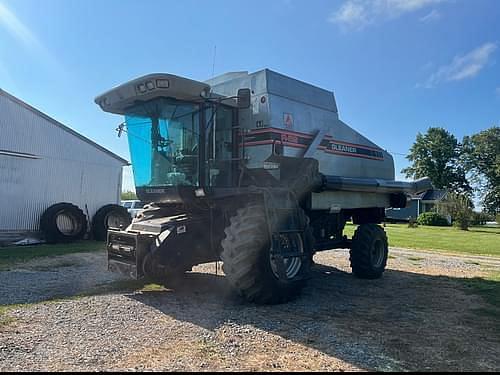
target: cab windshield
<point>163,141</point>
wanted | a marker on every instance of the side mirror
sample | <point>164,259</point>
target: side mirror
<point>244,98</point>
<point>120,129</point>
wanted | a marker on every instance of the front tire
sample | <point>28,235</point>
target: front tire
<point>369,251</point>
<point>248,262</point>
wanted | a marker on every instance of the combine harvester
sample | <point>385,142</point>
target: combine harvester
<point>255,170</point>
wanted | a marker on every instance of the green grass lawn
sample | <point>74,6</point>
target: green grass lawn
<point>476,241</point>
<point>15,254</point>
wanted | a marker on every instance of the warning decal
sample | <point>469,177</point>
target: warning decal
<point>267,136</point>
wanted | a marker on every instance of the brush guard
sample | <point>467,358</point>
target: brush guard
<point>127,251</point>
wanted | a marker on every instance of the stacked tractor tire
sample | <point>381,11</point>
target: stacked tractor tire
<point>65,222</point>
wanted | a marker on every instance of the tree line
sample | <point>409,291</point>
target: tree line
<point>466,169</point>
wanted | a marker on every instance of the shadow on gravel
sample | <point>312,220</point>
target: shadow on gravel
<point>403,321</point>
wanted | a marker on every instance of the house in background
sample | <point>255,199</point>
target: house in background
<point>419,203</point>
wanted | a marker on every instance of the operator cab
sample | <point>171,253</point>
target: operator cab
<point>182,138</point>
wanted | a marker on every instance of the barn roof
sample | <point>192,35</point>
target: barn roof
<point>62,126</point>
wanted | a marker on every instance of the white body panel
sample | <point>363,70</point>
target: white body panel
<point>336,200</point>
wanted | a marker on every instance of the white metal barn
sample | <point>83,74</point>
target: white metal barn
<point>43,162</point>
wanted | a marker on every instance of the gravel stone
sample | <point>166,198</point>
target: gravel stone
<point>417,317</point>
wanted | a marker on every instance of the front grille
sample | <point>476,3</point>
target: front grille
<point>121,247</point>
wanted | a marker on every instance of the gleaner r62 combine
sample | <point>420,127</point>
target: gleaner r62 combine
<point>255,170</point>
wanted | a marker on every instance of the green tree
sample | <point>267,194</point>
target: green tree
<point>436,154</point>
<point>459,207</point>
<point>481,155</point>
<point>128,195</point>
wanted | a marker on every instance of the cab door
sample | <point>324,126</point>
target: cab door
<point>222,148</point>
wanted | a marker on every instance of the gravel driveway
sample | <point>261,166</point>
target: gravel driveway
<point>417,317</point>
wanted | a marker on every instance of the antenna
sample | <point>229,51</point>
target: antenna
<point>213,64</point>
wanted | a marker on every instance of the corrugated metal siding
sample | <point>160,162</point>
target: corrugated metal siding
<point>67,169</point>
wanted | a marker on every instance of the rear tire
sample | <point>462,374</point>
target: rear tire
<point>110,215</point>
<point>63,222</point>
<point>369,251</point>
<point>247,259</point>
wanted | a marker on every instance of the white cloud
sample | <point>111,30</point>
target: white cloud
<point>463,67</point>
<point>351,14</point>
<point>17,29</point>
<point>357,14</point>
<point>433,15</point>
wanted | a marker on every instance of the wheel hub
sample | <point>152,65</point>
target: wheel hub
<point>114,221</point>
<point>286,259</point>
<point>67,223</point>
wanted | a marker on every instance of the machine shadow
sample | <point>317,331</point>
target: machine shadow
<point>403,321</point>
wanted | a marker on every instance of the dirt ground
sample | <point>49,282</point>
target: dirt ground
<point>419,316</point>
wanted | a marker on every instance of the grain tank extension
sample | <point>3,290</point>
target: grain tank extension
<point>256,170</point>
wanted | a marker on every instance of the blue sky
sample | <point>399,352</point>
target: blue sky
<point>396,66</point>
